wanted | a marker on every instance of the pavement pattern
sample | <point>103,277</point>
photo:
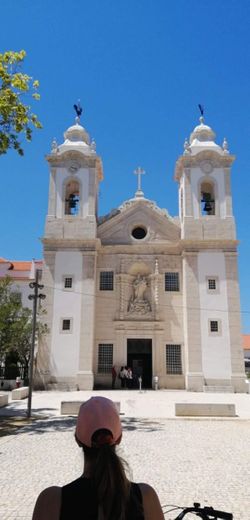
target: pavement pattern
<point>186,460</point>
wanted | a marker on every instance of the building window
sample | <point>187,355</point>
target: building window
<point>139,232</point>
<point>211,284</point>
<point>105,358</point>
<point>214,326</point>
<point>66,325</point>
<point>68,282</point>
<point>172,282</point>
<point>106,281</point>
<point>173,359</point>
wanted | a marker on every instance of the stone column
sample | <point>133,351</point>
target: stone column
<point>234,318</point>
<point>85,377</point>
<point>192,328</point>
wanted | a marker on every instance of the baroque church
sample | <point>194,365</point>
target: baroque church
<point>138,287</point>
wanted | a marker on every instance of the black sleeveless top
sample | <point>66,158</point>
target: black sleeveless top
<point>79,500</point>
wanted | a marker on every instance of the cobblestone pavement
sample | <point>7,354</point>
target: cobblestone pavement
<point>186,460</point>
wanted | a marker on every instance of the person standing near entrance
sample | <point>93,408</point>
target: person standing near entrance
<point>114,375</point>
<point>122,376</point>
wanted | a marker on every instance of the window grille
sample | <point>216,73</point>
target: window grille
<point>106,281</point>
<point>172,282</point>
<point>173,359</point>
<point>68,282</point>
<point>66,324</point>
<point>105,358</point>
<point>212,284</point>
<point>214,326</point>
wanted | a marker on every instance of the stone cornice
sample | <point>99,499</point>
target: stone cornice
<point>176,248</point>
<point>85,161</point>
<point>193,246</point>
<point>192,161</point>
<point>55,244</point>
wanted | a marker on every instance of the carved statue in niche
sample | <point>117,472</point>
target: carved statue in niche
<point>138,304</point>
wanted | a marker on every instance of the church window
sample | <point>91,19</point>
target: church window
<point>214,327</point>
<point>106,281</point>
<point>172,282</point>
<point>207,199</point>
<point>173,359</point>
<point>68,282</point>
<point>66,325</point>
<point>72,198</point>
<point>105,358</point>
<point>211,284</point>
<point>139,232</point>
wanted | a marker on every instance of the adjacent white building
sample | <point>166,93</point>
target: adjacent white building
<point>139,287</point>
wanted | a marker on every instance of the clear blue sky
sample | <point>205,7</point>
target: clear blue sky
<point>140,68</point>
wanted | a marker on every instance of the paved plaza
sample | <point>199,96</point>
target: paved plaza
<point>186,460</point>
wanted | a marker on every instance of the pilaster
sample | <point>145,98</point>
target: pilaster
<point>192,328</point>
<point>85,377</point>
<point>237,357</point>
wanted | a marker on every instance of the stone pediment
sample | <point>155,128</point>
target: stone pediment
<point>119,225</point>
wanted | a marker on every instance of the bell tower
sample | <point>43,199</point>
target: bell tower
<point>203,173</point>
<point>70,247</point>
<point>211,306</point>
<point>75,173</point>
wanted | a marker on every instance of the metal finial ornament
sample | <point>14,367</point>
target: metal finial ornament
<point>78,110</point>
<point>201,109</point>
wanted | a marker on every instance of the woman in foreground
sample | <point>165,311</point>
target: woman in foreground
<point>103,492</point>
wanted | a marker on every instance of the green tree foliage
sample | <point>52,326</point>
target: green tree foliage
<point>9,313</point>
<point>16,326</point>
<point>16,116</point>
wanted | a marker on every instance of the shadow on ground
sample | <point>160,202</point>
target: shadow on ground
<point>40,424</point>
<point>141,424</point>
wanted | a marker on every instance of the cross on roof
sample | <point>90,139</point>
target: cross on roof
<point>139,172</point>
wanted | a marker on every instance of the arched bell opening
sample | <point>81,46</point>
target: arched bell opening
<point>207,198</point>
<point>72,198</point>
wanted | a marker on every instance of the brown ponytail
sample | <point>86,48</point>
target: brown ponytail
<point>107,472</point>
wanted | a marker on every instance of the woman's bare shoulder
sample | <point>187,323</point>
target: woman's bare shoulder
<point>151,503</point>
<point>48,504</point>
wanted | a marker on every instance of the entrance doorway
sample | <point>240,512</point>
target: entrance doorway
<point>139,358</point>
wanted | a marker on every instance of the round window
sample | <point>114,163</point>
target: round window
<point>139,233</point>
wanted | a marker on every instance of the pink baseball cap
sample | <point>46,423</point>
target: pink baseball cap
<point>95,414</point>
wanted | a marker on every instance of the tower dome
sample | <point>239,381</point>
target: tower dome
<point>76,134</point>
<point>202,132</point>
<point>202,138</point>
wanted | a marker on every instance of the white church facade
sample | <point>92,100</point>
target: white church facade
<point>139,287</point>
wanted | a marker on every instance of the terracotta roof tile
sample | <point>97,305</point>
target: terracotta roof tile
<point>246,341</point>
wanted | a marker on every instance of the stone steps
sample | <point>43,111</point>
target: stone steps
<point>218,389</point>
<point>61,387</point>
